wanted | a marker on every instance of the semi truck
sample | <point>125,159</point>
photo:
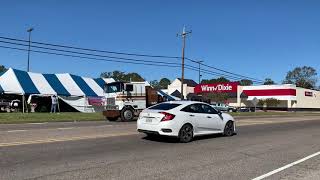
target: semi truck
<point>125,100</point>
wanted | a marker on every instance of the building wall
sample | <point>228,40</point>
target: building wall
<point>176,85</point>
<point>304,101</point>
<point>300,101</point>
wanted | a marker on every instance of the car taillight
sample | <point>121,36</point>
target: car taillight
<point>167,116</point>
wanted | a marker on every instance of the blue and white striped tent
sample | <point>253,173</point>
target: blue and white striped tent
<point>25,83</point>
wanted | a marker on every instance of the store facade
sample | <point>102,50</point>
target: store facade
<point>289,96</point>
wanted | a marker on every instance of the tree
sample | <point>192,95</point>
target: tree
<point>217,80</point>
<point>268,81</point>
<point>216,97</point>
<point>2,68</point>
<point>245,82</point>
<point>122,76</point>
<point>164,82</point>
<point>155,84</point>
<point>269,102</point>
<point>305,77</point>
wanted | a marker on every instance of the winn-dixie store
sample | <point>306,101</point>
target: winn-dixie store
<point>290,96</point>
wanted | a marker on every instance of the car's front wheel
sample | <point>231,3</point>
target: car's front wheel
<point>186,133</point>
<point>228,129</point>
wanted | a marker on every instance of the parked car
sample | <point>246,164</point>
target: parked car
<point>185,120</point>
<point>220,106</point>
<point>9,105</point>
<point>223,107</point>
<point>246,109</point>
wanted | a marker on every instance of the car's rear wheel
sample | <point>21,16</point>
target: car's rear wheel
<point>186,133</point>
<point>228,129</point>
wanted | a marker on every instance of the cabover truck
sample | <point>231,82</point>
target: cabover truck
<point>125,100</point>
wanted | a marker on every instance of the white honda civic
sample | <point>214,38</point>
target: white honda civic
<point>185,120</point>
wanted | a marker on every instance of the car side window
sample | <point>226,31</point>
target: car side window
<point>208,109</point>
<point>193,108</point>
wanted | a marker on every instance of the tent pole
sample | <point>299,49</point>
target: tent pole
<point>58,103</point>
<point>23,103</point>
<point>26,104</point>
<point>85,103</point>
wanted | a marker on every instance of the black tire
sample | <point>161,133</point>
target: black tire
<point>229,129</point>
<point>112,118</point>
<point>127,114</point>
<point>186,133</point>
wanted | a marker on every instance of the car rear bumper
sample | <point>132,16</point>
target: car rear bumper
<point>148,132</point>
<point>163,128</point>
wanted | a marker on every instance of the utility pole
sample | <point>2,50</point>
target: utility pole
<point>199,62</point>
<point>29,31</point>
<point>183,35</point>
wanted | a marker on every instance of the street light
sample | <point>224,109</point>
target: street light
<point>29,31</point>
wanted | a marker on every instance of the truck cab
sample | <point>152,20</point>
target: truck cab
<point>126,100</point>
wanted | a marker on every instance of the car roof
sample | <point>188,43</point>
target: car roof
<point>184,102</point>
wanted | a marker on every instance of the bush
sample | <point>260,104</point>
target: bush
<point>269,102</point>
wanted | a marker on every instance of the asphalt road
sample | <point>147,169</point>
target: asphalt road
<point>116,151</point>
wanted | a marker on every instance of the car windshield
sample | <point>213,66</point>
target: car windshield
<point>165,106</point>
<point>112,88</point>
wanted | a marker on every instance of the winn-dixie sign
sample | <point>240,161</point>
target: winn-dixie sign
<point>231,87</point>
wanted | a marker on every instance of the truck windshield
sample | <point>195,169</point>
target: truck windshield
<point>113,87</point>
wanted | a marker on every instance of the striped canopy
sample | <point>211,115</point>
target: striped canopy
<point>20,82</point>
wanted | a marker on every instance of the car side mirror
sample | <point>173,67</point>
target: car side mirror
<point>219,113</point>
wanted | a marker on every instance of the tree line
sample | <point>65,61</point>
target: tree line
<point>305,77</point>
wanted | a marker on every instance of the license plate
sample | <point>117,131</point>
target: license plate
<point>148,120</point>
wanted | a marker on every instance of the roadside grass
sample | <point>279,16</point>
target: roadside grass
<point>15,118</point>
<point>274,113</point>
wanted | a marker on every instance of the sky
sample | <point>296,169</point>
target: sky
<point>256,38</point>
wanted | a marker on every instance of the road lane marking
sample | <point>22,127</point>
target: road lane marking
<point>286,166</point>
<point>18,130</point>
<point>254,121</point>
<point>38,123</point>
<point>64,139</point>
<point>239,124</point>
<point>66,128</point>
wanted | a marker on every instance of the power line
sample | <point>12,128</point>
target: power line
<point>120,53</point>
<point>126,59</point>
<point>83,57</point>
<point>118,61</point>
<point>94,50</point>
<point>67,51</point>
<point>191,60</point>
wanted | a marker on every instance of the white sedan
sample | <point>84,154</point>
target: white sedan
<point>185,120</point>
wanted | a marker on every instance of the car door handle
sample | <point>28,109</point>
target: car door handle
<point>191,115</point>
<point>209,117</point>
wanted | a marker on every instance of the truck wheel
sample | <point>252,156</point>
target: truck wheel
<point>127,114</point>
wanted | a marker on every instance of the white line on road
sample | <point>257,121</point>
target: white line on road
<point>66,128</point>
<point>19,130</point>
<point>286,166</point>
<point>38,123</point>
